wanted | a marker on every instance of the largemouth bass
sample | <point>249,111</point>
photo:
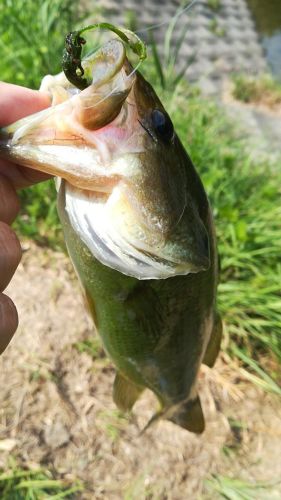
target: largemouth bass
<point>138,228</point>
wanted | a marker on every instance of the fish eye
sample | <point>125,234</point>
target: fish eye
<point>162,125</point>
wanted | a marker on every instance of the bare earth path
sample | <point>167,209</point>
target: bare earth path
<point>57,410</point>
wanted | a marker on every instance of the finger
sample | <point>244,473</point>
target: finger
<point>8,321</point>
<point>21,177</point>
<point>9,202</point>
<point>10,254</point>
<point>16,102</point>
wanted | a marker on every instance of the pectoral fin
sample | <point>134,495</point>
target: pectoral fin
<point>190,416</point>
<point>213,347</point>
<point>125,392</point>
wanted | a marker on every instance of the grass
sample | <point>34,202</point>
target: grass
<point>32,42</point>
<point>31,46</point>
<point>245,195</point>
<point>167,68</point>
<point>263,90</point>
<point>238,489</point>
<point>38,217</point>
<point>214,5</point>
<point>140,489</point>
<point>113,422</point>
<point>92,347</point>
<point>244,189</point>
<point>216,29</point>
<point>26,484</point>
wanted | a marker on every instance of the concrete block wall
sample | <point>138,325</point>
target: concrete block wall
<point>221,41</point>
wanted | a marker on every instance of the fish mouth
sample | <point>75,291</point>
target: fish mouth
<point>65,140</point>
<point>93,140</point>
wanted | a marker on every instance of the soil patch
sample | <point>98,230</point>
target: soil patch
<point>57,411</point>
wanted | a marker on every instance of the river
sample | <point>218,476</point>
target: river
<point>267,15</point>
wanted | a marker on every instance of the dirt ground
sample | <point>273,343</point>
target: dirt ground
<point>56,408</point>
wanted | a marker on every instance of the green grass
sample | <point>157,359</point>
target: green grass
<point>38,217</point>
<point>214,5</point>
<point>245,196</point>
<point>237,489</point>
<point>244,191</point>
<point>27,484</point>
<point>216,29</point>
<point>31,46</point>
<point>32,42</point>
<point>167,68</point>
<point>113,422</point>
<point>263,90</point>
<point>92,347</point>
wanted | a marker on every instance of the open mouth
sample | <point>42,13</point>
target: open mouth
<point>65,140</point>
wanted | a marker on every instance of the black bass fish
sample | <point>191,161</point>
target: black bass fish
<point>138,227</point>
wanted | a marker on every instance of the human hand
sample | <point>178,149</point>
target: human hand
<point>15,103</point>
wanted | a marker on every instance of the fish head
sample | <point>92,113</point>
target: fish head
<point>131,191</point>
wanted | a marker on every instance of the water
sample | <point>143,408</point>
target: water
<point>267,15</point>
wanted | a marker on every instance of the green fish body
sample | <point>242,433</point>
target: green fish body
<point>157,332</point>
<point>138,227</point>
